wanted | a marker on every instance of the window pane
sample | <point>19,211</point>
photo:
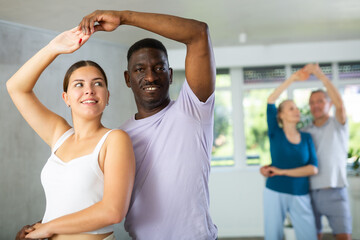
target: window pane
<point>351,100</point>
<point>350,70</point>
<point>178,81</point>
<point>257,141</point>
<point>223,78</point>
<point>223,145</point>
<point>264,74</point>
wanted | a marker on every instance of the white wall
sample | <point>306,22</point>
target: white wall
<point>236,193</point>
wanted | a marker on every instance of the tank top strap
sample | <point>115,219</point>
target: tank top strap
<point>101,142</point>
<point>62,139</point>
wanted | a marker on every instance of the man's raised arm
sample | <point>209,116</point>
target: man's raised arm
<point>199,64</point>
<point>333,93</point>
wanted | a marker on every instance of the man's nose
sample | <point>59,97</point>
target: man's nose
<point>150,75</point>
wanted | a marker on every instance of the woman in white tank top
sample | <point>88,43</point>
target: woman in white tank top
<point>89,176</point>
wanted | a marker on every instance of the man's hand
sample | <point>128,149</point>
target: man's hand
<point>24,231</point>
<point>41,231</point>
<point>314,68</point>
<point>106,21</point>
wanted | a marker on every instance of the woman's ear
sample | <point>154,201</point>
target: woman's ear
<point>65,97</point>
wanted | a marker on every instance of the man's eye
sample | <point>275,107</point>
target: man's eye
<point>139,69</point>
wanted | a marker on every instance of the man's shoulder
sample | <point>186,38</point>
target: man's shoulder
<point>305,134</point>
<point>307,128</point>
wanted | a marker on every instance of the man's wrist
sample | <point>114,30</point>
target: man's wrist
<point>125,17</point>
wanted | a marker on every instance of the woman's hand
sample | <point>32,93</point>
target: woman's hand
<point>302,74</point>
<point>314,68</point>
<point>68,41</point>
<point>274,171</point>
<point>21,235</point>
<point>41,231</point>
<point>265,171</point>
<point>100,20</point>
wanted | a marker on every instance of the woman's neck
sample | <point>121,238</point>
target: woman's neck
<point>291,133</point>
<point>85,128</point>
<point>290,128</point>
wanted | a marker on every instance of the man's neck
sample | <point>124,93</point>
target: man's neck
<point>321,120</point>
<point>144,112</point>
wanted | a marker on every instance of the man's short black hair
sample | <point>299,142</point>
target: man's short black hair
<point>146,43</point>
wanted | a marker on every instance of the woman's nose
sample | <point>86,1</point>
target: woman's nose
<point>89,90</point>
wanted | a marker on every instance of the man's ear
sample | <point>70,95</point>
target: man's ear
<point>127,78</point>
<point>171,75</point>
<point>65,97</point>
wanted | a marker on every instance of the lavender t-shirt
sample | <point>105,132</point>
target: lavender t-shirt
<point>170,199</point>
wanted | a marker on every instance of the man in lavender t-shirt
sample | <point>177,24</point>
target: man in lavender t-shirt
<point>172,139</point>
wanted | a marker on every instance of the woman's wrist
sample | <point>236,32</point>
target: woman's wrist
<point>51,51</point>
<point>283,172</point>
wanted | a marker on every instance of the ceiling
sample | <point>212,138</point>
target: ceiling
<point>264,22</point>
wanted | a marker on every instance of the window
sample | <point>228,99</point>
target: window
<point>349,70</point>
<point>223,145</point>
<point>351,98</point>
<point>264,74</point>
<point>254,108</point>
<point>245,142</point>
<point>257,141</point>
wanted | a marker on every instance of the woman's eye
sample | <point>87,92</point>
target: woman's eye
<point>98,84</point>
<point>78,85</point>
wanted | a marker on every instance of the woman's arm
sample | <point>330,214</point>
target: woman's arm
<point>304,171</point>
<point>46,124</point>
<point>119,174</point>
<point>299,75</point>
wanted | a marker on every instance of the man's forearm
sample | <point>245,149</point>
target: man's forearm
<point>179,29</point>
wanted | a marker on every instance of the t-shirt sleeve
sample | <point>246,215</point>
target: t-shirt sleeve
<point>312,151</point>
<point>343,128</point>
<point>272,123</point>
<point>190,104</point>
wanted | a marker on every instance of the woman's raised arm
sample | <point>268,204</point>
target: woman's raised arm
<point>299,75</point>
<point>46,124</point>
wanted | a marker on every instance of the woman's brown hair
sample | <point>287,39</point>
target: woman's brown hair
<point>78,65</point>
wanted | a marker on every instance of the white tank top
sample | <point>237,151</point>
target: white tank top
<point>72,186</point>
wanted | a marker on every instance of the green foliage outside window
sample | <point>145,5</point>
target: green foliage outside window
<point>223,144</point>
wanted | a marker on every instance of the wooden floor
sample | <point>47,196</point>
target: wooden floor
<point>326,237</point>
